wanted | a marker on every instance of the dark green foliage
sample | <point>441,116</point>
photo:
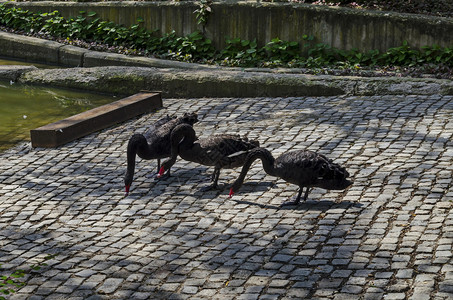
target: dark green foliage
<point>241,52</point>
<point>20,19</point>
<point>91,29</point>
<point>278,50</point>
<point>237,52</point>
<point>193,47</point>
<point>9,284</point>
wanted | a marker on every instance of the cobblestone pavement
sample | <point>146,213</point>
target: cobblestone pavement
<point>388,236</point>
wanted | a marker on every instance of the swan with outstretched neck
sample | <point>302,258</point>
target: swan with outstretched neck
<point>304,168</point>
<point>155,144</point>
<point>219,150</point>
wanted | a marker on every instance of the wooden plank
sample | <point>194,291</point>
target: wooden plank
<point>77,126</point>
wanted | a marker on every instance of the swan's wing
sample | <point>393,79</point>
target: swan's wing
<point>327,169</point>
<point>228,144</point>
<point>237,154</point>
<point>314,164</point>
<point>151,131</point>
<point>307,168</point>
<point>226,150</point>
<point>167,127</point>
<point>163,120</point>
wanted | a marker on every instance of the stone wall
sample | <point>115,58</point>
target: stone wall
<point>339,27</point>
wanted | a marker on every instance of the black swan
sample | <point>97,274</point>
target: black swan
<point>155,144</point>
<point>220,150</point>
<point>302,167</point>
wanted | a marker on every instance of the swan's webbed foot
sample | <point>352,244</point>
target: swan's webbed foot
<point>208,187</point>
<point>291,202</point>
<point>296,200</point>
<point>163,176</point>
<point>214,179</point>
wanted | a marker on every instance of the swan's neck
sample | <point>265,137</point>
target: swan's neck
<point>137,145</point>
<point>267,160</point>
<point>182,138</point>
<point>131,152</point>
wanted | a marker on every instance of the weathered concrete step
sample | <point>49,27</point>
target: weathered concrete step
<point>33,49</point>
<point>229,84</point>
<point>74,127</point>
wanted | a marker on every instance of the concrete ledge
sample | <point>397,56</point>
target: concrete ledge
<point>32,49</point>
<point>29,48</point>
<point>101,59</point>
<point>181,83</point>
<point>71,56</point>
<point>69,129</point>
<point>14,72</point>
<point>178,83</point>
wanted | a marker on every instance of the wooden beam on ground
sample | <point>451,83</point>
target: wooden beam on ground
<point>77,126</point>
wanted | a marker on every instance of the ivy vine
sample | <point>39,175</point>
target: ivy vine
<point>203,11</point>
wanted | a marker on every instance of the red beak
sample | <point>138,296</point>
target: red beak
<point>231,193</point>
<point>161,172</point>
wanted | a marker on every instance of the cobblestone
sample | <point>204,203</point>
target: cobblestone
<point>389,236</point>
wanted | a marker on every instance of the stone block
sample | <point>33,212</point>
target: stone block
<point>29,48</point>
<point>100,59</point>
<point>72,56</point>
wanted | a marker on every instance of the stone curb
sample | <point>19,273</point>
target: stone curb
<point>50,52</point>
<point>14,72</point>
<point>182,84</point>
<point>29,48</point>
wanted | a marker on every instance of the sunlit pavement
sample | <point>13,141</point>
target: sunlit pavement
<point>388,236</point>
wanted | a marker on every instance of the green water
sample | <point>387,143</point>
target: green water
<point>27,107</point>
<point>10,62</point>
